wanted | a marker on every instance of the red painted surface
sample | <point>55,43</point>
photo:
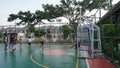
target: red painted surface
<point>54,52</point>
<point>100,63</point>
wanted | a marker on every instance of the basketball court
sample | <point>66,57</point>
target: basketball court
<point>53,56</point>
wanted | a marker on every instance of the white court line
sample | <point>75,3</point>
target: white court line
<point>86,59</point>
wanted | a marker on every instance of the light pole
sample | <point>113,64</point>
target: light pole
<point>111,22</point>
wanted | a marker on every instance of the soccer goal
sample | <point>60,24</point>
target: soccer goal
<point>88,39</point>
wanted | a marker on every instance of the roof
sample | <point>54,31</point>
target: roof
<point>115,8</point>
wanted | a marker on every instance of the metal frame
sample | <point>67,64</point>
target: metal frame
<point>92,29</point>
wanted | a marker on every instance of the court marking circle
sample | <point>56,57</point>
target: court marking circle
<point>34,61</point>
<point>55,52</point>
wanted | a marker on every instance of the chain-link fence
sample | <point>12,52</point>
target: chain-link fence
<point>111,42</point>
<point>54,34</point>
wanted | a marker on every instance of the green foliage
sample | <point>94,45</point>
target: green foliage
<point>53,11</point>
<point>31,28</point>
<point>102,28</point>
<point>1,34</point>
<point>12,17</point>
<point>95,4</point>
<point>66,31</point>
<point>39,15</point>
<point>109,30</point>
<point>63,9</point>
<point>39,32</point>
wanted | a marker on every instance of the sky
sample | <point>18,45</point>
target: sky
<point>14,6</point>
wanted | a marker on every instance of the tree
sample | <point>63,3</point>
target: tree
<point>66,31</point>
<point>23,17</point>
<point>95,4</point>
<point>72,9</point>
<point>39,16</point>
<point>65,9</point>
<point>12,17</point>
<point>69,9</point>
<point>39,32</point>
